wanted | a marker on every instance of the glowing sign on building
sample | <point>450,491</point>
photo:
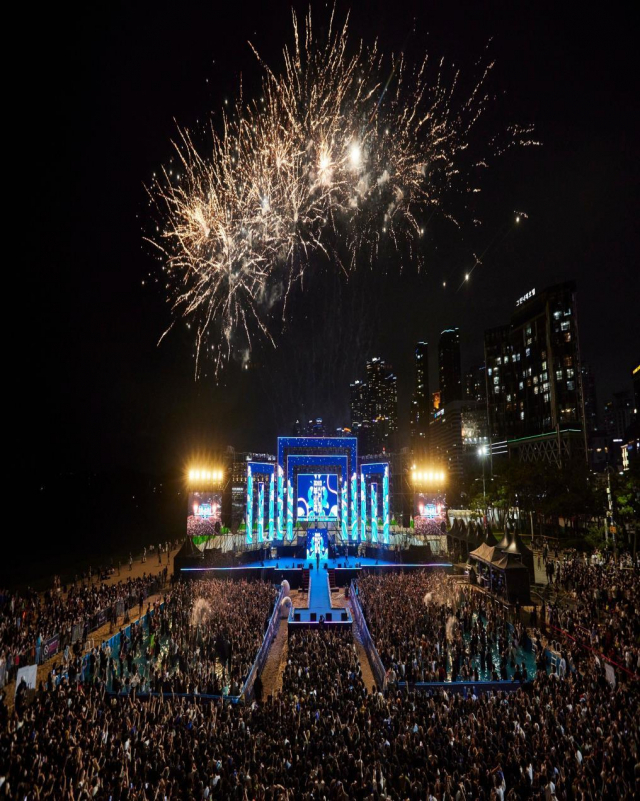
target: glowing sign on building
<point>526,297</point>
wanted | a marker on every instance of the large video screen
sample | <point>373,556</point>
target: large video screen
<point>203,514</point>
<point>317,496</point>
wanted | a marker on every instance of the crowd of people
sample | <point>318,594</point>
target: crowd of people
<point>29,620</point>
<point>202,640</point>
<point>598,608</point>
<point>427,628</point>
<point>131,723</point>
<point>326,736</point>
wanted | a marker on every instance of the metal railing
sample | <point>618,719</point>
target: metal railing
<point>261,658</point>
<point>358,617</point>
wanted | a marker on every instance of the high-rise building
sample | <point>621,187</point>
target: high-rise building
<point>359,407</point>
<point>535,399</point>
<point>456,432</point>
<point>374,408</point>
<point>383,404</point>
<point>619,414</point>
<point>421,401</point>
<point>590,398</point>
<point>449,369</point>
<point>475,384</point>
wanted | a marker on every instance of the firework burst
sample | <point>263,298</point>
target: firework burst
<point>341,142</point>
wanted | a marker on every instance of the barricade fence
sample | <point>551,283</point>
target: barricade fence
<point>261,658</point>
<point>376,663</point>
<point>80,631</point>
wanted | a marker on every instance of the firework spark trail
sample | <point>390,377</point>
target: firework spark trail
<point>331,147</point>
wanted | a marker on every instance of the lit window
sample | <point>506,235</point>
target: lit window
<point>571,385</point>
<point>565,325</point>
<point>559,375</point>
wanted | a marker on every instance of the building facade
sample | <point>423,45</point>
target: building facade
<point>374,408</point>
<point>421,401</point>
<point>449,366</point>
<point>535,401</point>
<point>457,431</point>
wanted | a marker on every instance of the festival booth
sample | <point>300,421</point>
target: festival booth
<point>475,535</point>
<point>458,540</point>
<point>488,538</point>
<point>518,549</point>
<point>188,556</point>
<point>501,573</point>
<point>505,541</point>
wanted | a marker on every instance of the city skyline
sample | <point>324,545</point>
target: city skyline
<point>104,387</point>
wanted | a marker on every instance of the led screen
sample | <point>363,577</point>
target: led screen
<point>203,514</point>
<point>317,496</point>
<point>430,506</point>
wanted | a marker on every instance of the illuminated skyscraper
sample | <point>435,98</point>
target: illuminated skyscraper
<point>475,384</point>
<point>450,371</point>
<point>421,401</point>
<point>374,408</point>
<point>382,397</point>
<point>534,379</point>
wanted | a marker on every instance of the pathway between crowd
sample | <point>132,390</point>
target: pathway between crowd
<point>278,652</point>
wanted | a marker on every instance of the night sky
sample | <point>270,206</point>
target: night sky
<point>101,88</point>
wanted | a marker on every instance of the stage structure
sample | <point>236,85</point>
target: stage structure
<point>313,485</point>
<point>262,473</point>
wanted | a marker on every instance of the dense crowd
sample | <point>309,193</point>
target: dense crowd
<point>203,639</point>
<point>598,608</point>
<point>324,736</point>
<point>426,628</point>
<point>570,733</point>
<point>28,620</point>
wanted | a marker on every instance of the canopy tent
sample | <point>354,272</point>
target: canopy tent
<point>518,549</point>
<point>502,573</point>
<point>457,540</point>
<point>488,538</point>
<point>188,556</point>
<point>505,541</point>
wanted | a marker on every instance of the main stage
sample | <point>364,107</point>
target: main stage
<point>337,563</point>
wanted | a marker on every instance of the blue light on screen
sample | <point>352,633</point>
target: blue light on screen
<point>317,496</point>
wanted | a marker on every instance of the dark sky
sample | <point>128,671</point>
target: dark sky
<point>100,91</point>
